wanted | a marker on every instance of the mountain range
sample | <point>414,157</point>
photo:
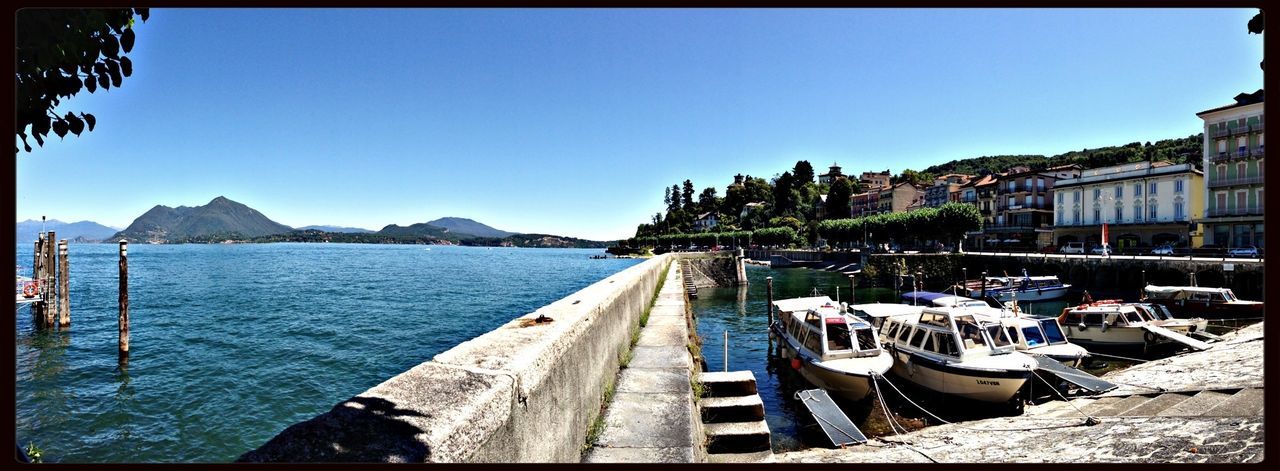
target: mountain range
<point>223,219</point>
<point>83,231</point>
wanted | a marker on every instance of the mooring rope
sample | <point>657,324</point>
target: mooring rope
<point>889,415</point>
<point>940,419</point>
<point>1137,360</point>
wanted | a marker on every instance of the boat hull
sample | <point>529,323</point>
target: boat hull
<point>996,386</point>
<point>1040,294</point>
<point>1121,337</point>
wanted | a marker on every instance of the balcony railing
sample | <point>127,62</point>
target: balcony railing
<point>968,199</point>
<point>1240,130</point>
<point>1221,182</point>
<point>1256,152</point>
<point>1219,133</point>
<point>1245,211</point>
<point>1239,154</point>
<point>1129,222</point>
<point>1001,228</point>
<point>1019,206</point>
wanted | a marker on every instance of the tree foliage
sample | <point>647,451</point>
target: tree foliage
<point>837,205</point>
<point>58,53</point>
<point>803,173</point>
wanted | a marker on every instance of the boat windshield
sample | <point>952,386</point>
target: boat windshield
<point>1052,331</point>
<point>1034,336</point>
<point>838,335</point>
<point>1133,317</point>
<point>970,332</point>
<point>866,339</point>
<point>999,337</point>
<point>1229,295</point>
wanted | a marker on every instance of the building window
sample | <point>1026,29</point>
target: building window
<point>1137,189</point>
<point>1027,201</point>
<point>1222,146</point>
<point>1220,172</point>
<point>1177,186</point>
<point>1151,191</point>
<point>1151,211</point>
<point>1062,217</point>
<point>1137,210</point>
<point>1097,193</point>
<point>1177,210</point>
<point>1075,217</point>
<point>1119,191</point>
<point>1119,213</point>
<point>1097,216</point>
<point>1242,200</point>
<point>1221,206</point>
<point>1075,196</point>
<point>1060,198</point>
<point>1242,169</point>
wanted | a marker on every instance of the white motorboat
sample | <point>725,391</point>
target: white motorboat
<point>1027,288</point>
<point>1030,334</point>
<point>1111,324</point>
<point>954,351</point>
<point>832,349</point>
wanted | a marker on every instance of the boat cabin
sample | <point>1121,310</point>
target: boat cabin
<point>928,298</point>
<point>827,332</point>
<point>1109,315</point>
<point>940,332</point>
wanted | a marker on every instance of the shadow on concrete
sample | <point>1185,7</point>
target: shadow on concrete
<point>361,429</point>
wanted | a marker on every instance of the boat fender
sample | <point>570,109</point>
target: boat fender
<point>29,289</point>
<point>1082,326</point>
<point>795,363</point>
<point>1150,337</point>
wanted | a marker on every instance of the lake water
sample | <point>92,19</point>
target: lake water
<point>230,344</point>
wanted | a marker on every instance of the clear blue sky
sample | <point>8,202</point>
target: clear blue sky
<point>573,121</point>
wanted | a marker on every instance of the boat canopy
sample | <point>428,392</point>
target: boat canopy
<point>940,299</point>
<point>803,304</point>
<point>884,310</point>
<point>1181,292</point>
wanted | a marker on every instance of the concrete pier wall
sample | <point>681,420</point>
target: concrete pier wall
<point>525,392</point>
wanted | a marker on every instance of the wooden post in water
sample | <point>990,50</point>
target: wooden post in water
<point>768,294</point>
<point>726,350</point>
<point>983,281</point>
<point>36,315</point>
<point>50,280</point>
<point>124,300</point>
<point>64,301</point>
<point>853,290</point>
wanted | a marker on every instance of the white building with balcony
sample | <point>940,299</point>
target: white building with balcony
<point>1233,166</point>
<point>1143,204</point>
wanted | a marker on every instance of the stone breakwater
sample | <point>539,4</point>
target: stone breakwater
<point>524,392</point>
<point>1201,407</point>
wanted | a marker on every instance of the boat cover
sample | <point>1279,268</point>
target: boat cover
<point>1171,335</point>
<point>839,429</point>
<point>803,304</point>
<point>1071,375</point>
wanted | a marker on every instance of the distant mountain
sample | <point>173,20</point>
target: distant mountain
<point>419,230</point>
<point>87,231</point>
<point>467,226</point>
<point>220,217</point>
<point>354,230</point>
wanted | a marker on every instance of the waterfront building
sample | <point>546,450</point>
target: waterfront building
<point>1143,204</point>
<point>706,221</point>
<point>865,203</point>
<point>1021,207</point>
<point>940,192</point>
<point>748,208</point>
<point>874,180</point>
<point>1233,168</point>
<point>832,174</point>
<point>898,198</point>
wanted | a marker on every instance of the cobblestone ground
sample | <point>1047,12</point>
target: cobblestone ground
<point>1035,437</point>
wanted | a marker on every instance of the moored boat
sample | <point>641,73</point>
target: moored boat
<point>1029,334</point>
<point>832,349</point>
<point>1196,301</point>
<point>1025,287</point>
<point>1115,325</point>
<point>953,351</point>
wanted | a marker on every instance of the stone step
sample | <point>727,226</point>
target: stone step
<point>1246,403</point>
<point>1100,404</point>
<point>750,457</point>
<point>728,383</point>
<point>731,409</point>
<point>1044,410</point>
<point>1122,405</point>
<point>1070,411</point>
<point>737,437</point>
<point>1156,405</point>
<point>1195,405</point>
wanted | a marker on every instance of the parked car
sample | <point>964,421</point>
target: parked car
<point>1162,250</point>
<point>1103,249</point>
<point>1073,247</point>
<point>1249,252</point>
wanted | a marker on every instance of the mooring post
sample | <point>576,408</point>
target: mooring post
<point>124,299</point>
<point>768,296</point>
<point>983,282</point>
<point>64,302</point>
<point>36,276</point>
<point>726,350</point>
<point>964,281</point>
<point>853,290</point>
<point>51,274</point>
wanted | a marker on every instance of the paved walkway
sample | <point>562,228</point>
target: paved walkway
<point>651,416</point>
